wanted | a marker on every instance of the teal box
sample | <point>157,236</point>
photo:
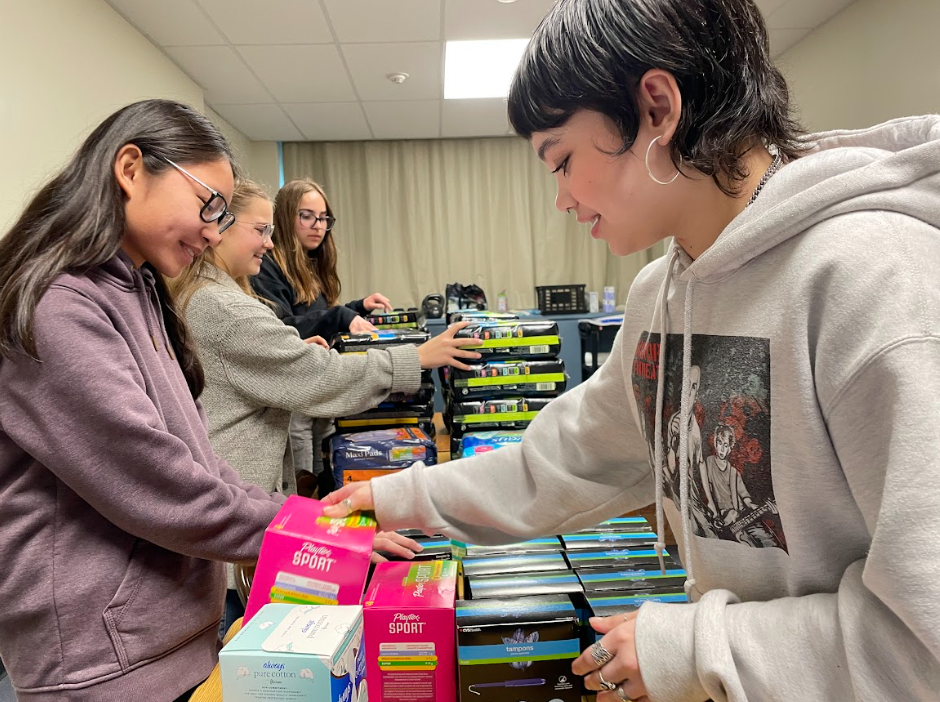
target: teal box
<point>547,544</point>
<point>292,652</point>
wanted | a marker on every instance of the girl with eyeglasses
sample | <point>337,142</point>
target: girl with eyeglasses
<point>299,277</point>
<point>117,515</point>
<point>258,370</point>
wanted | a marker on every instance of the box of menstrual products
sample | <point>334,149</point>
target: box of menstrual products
<point>307,558</point>
<point>289,653</point>
<point>410,633</point>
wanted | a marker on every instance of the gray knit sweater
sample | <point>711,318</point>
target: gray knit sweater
<point>258,371</point>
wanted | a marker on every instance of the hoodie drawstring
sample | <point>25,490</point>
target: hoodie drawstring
<point>150,301</point>
<point>658,420</point>
<point>685,411</point>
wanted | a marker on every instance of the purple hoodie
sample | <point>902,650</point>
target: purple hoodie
<point>116,513</point>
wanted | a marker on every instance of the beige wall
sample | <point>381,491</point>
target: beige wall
<point>264,166</point>
<point>64,66</point>
<point>241,145</point>
<point>875,60</point>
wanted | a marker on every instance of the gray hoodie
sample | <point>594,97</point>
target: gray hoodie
<point>797,462</point>
<point>116,514</point>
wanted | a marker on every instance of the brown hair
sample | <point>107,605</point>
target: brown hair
<point>198,273</point>
<point>309,273</point>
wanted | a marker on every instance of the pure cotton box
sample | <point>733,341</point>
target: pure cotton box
<point>307,558</point>
<point>288,653</point>
<point>410,632</point>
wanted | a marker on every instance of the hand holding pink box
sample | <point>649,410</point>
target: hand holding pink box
<point>410,632</point>
<point>307,558</point>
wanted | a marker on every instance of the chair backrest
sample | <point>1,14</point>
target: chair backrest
<point>243,576</point>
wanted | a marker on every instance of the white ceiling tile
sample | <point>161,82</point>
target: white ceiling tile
<point>805,14</point>
<point>221,73</point>
<point>489,19</point>
<point>330,121</point>
<point>170,22</point>
<point>369,65</point>
<point>313,73</point>
<point>468,118</point>
<point>269,22</point>
<point>404,120</point>
<point>260,122</point>
<point>783,39</point>
<point>375,21</point>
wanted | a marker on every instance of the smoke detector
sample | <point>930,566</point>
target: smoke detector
<point>397,78</point>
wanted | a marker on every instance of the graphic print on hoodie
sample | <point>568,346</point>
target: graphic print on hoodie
<point>731,494</point>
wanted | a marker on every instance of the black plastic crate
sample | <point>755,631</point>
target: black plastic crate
<point>560,299</point>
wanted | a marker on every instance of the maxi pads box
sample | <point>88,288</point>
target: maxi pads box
<point>410,632</point>
<point>307,558</point>
<point>296,652</point>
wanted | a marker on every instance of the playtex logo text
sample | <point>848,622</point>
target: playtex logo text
<point>423,575</point>
<point>314,557</point>
<point>406,624</point>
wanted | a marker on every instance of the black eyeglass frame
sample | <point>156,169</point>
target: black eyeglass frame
<point>224,217</point>
<point>328,220</point>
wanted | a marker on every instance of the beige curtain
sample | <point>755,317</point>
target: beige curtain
<point>416,215</point>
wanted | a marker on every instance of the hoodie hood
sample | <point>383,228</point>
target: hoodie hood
<point>892,167</point>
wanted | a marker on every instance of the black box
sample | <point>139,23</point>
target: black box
<point>397,319</point>
<point>518,650</point>
<point>547,544</point>
<point>513,339</point>
<point>509,379</point>
<point>360,343</point>
<point>470,315</point>
<point>640,557</point>
<point>494,415</point>
<point>504,585</point>
<point>516,563</point>
<point>607,541</point>
<point>611,604</point>
<point>436,548</point>
<point>623,579</point>
<point>617,524</point>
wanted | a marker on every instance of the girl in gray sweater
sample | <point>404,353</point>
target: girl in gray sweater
<point>258,369</point>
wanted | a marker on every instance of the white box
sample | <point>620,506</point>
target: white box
<point>290,652</point>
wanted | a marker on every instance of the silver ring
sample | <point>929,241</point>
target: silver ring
<point>626,615</point>
<point>348,504</point>
<point>607,685</point>
<point>623,695</point>
<point>600,654</point>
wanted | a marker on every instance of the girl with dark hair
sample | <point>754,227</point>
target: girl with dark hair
<point>117,514</point>
<point>799,286</point>
<point>258,370</point>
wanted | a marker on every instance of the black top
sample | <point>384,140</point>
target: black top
<point>315,319</point>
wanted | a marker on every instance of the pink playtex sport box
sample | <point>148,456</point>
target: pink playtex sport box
<point>307,558</point>
<point>408,615</point>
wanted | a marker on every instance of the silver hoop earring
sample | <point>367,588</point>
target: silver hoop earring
<point>650,173</point>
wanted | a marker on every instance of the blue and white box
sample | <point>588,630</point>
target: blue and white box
<point>291,652</point>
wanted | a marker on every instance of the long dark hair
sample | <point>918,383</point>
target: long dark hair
<point>308,272</point>
<point>591,54</point>
<point>76,221</point>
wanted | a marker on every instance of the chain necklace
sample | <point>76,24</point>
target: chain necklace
<point>771,169</point>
